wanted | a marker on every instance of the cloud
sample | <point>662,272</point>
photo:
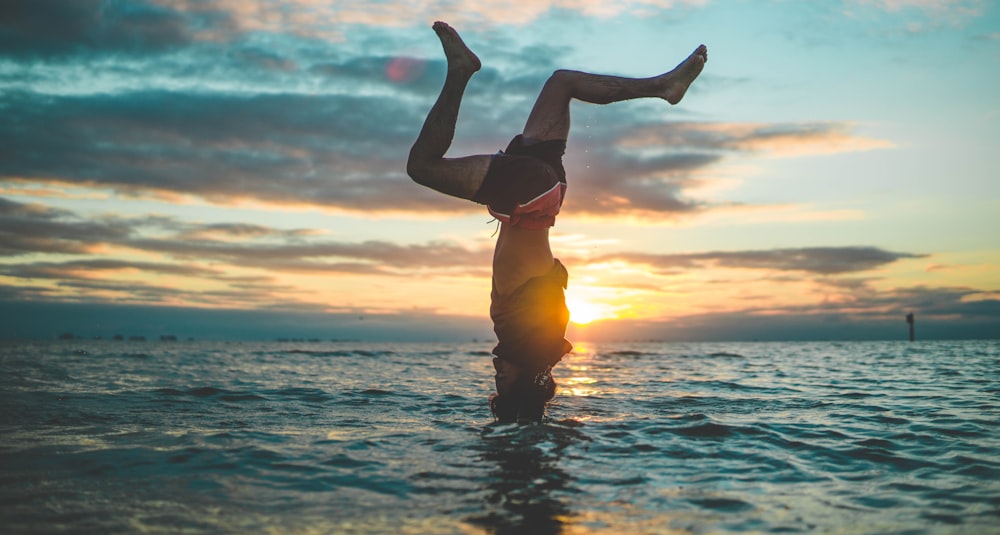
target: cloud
<point>196,268</point>
<point>930,7</point>
<point>89,268</point>
<point>193,231</point>
<point>34,228</point>
<point>247,245</point>
<point>313,17</point>
<point>247,266</point>
<point>54,28</point>
<point>817,260</point>
<point>941,313</point>
<point>146,99</point>
<point>923,15</point>
<point>31,229</point>
<point>348,151</point>
<point>607,182</point>
<point>366,257</point>
<point>637,167</point>
<point>940,301</point>
<point>777,139</point>
<point>122,281</point>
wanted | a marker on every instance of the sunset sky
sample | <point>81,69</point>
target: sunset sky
<point>236,168</point>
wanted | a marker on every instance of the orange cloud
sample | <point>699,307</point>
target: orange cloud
<point>922,15</point>
<point>326,19</point>
<point>775,139</point>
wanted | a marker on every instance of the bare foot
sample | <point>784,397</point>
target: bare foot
<point>459,56</point>
<point>677,81</point>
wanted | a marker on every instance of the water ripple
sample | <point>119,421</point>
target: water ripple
<point>388,438</point>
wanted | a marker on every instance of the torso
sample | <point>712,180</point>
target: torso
<point>520,254</point>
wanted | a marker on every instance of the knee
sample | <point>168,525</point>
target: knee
<point>417,170</point>
<point>561,77</point>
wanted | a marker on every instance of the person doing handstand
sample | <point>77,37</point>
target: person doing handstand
<point>523,187</point>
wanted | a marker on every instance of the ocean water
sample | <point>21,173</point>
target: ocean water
<point>339,437</point>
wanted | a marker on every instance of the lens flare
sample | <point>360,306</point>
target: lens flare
<point>403,69</point>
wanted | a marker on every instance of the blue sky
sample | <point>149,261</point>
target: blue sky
<point>833,168</point>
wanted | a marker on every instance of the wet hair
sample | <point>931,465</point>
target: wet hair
<point>524,399</point>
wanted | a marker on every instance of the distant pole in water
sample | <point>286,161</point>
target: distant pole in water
<point>909,319</point>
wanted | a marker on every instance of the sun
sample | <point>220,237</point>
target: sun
<point>582,312</point>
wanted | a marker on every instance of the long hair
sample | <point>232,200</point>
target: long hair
<point>524,399</point>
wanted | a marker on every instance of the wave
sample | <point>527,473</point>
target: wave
<point>233,438</point>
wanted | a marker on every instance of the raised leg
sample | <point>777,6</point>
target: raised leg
<point>460,177</point>
<point>549,118</point>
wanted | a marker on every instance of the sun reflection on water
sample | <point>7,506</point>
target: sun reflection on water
<point>579,386</point>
